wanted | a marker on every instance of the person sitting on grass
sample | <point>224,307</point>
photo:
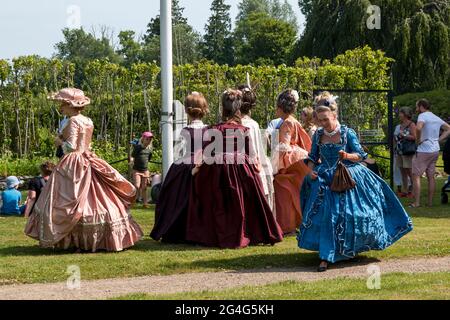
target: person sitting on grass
<point>36,185</point>
<point>11,198</point>
<point>140,157</point>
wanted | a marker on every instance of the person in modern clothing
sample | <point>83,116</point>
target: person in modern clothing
<point>36,185</point>
<point>370,163</point>
<point>272,134</point>
<point>406,134</point>
<point>140,157</point>
<point>12,198</point>
<point>62,124</point>
<point>428,138</point>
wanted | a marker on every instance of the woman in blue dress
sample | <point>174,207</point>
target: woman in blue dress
<point>341,225</point>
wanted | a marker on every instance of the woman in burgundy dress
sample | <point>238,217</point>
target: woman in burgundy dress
<point>228,207</point>
<point>173,203</point>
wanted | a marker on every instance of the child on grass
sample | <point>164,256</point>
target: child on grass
<point>12,198</point>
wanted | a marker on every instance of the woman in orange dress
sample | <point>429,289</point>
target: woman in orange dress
<point>288,165</point>
<point>85,203</point>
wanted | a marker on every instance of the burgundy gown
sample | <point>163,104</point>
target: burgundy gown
<point>228,208</point>
<point>173,203</point>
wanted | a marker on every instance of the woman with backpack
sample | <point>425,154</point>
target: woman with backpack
<point>405,138</point>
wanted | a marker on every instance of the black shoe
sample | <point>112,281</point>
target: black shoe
<point>322,269</point>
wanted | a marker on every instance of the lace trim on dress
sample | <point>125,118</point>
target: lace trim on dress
<point>197,124</point>
<point>283,147</point>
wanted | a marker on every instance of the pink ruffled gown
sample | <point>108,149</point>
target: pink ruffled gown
<point>85,203</point>
<point>290,170</point>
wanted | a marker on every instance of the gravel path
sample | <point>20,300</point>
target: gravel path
<point>103,289</point>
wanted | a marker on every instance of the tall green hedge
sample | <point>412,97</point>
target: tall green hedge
<point>126,101</point>
<point>439,99</point>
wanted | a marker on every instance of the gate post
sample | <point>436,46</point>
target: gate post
<point>391,134</point>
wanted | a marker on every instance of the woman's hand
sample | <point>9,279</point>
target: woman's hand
<point>343,155</point>
<point>195,170</point>
<point>353,157</point>
<point>313,175</point>
<point>258,166</point>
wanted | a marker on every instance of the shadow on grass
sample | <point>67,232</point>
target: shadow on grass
<point>20,251</point>
<point>280,262</point>
<point>145,245</point>
<point>435,212</point>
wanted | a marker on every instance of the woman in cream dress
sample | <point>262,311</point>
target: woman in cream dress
<point>266,173</point>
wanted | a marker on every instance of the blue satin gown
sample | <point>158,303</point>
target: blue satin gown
<point>341,225</point>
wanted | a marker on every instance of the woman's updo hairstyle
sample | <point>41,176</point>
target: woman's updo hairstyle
<point>325,102</point>
<point>231,105</point>
<point>196,105</point>
<point>288,101</point>
<point>248,99</point>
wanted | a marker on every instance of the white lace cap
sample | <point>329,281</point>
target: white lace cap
<point>333,99</point>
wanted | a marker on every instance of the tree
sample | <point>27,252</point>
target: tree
<point>217,43</point>
<point>274,8</point>
<point>130,49</point>
<point>186,41</point>
<point>305,6</point>
<point>267,40</point>
<point>153,27</point>
<point>186,46</point>
<point>177,13</point>
<point>284,12</point>
<point>247,7</point>
<point>248,31</point>
<point>416,33</point>
<point>81,47</point>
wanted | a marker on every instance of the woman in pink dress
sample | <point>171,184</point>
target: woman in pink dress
<point>288,166</point>
<point>86,203</point>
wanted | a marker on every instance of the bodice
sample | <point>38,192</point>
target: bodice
<point>77,134</point>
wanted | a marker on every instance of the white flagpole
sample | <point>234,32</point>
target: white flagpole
<point>166,84</point>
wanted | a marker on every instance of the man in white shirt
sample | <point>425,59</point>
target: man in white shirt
<point>428,138</point>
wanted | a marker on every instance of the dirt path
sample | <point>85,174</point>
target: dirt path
<point>102,289</point>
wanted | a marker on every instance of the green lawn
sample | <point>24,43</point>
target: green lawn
<point>394,286</point>
<point>22,261</point>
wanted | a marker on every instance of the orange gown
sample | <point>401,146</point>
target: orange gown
<point>85,203</point>
<point>294,146</point>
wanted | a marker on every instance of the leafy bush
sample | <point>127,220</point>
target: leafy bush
<point>10,166</point>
